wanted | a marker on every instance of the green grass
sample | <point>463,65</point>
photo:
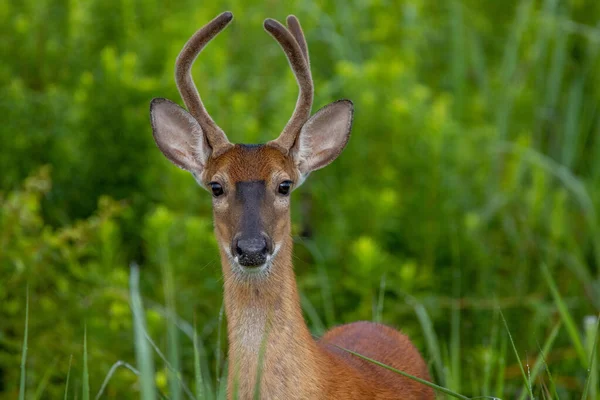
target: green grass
<point>566,317</point>
<point>67,380</point>
<point>142,348</point>
<point>204,389</point>
<point>507,189</point>
<point>173,357</point>
<point>201,392</point>
<point>431,339</point>
<point>592,333</point>
<point>541,361</point>
<point>516,353</point>
<point>24,350</point>
<point>85,394</point>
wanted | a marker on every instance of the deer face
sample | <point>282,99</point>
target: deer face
<point>251,188</point>
<point>250,184</point>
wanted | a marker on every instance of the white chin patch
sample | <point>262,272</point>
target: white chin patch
<point>255,270</point>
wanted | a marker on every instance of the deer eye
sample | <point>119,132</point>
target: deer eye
<point>217,189</point>
<point>284,187</point>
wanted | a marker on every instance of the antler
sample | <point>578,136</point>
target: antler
<point>185,83</point>
<point>293,43</point>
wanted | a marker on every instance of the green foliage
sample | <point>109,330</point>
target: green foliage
<point>474,160</point>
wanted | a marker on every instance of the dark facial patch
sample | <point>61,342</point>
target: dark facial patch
<point>250,244</point>
<point>251,195</point>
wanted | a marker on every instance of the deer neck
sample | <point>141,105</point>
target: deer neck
<point>264,316</point>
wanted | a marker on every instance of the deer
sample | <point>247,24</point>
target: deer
<point>270,347</point>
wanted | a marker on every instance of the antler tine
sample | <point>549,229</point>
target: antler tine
<point>294,27</point>
<point>294,47</point>
<point>185,83</point>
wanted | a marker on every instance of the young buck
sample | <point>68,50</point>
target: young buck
<point>251,186</point>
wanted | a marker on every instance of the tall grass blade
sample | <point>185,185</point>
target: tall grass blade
<point>592,334</point>
<point>527,383</point>
<point>170,368</point>
<point>539,363</point>
<point>397,371</point>
<point>489,363</point>
<point>455,360</point>
<point>430,338</point>
<point>458,56</point>
<point>326,292</point>
<point>24,348</point>
<point>172,332</point>
<point>68,376</point>
<point>327,295</point>
<point>110,374</point>
<point>539,55</point>
<point>378,315</point>
<point>501,366</point>
<point>143,354</point>
<point>222,387</point>
<point>200,391</point>
<point>572,121</point>
<point>85,390</point>
<point>39,391</point>
<point>552,388</point>
<point>557,66</point>
<point>509,66</point>
<point>316,324</point>
<point>563,310</point>
<point>595,169</point>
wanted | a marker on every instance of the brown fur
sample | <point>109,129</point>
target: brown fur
<point>295,366</point>
<point>385,345</point>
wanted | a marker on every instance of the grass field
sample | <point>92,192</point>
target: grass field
<point>537,378</point>
<point>464,210</point>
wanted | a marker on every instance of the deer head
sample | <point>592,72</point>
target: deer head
<point>250,184</point>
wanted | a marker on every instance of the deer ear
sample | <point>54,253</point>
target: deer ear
<point>323,136</point>
<point>178,135</point>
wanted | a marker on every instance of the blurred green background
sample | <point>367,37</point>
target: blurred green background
<point>471,184</point>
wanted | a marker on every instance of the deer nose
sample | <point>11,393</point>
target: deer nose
<point>252,251</point>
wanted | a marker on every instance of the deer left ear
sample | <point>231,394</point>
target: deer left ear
<point>323,136</point>
<point>178,135</point>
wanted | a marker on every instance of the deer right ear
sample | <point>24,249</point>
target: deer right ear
<point>178,135</point>
<point>323,136</point>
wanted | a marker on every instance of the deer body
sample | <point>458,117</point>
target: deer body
<point>250,186</point>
